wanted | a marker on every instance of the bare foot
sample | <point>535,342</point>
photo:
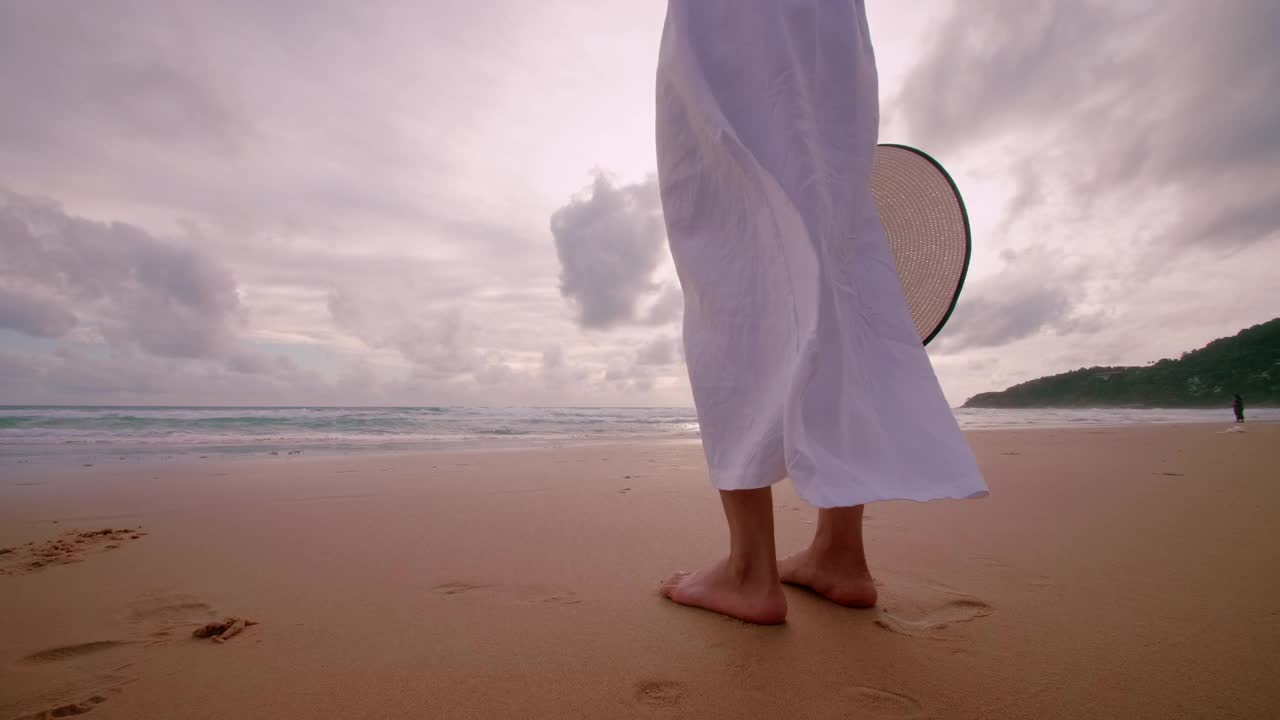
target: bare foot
<point>842,579</point>
<point>720,589</point>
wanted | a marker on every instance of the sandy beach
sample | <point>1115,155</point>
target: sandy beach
<point>1126,573</point>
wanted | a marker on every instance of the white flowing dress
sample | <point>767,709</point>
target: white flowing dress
<point>801,351</point>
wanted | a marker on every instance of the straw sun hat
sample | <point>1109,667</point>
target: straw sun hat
<point>928,230</point>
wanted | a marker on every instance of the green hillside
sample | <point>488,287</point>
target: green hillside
<point>1248,363</point>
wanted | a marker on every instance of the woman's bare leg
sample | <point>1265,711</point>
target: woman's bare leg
<point>746,584</point>
<point>835,563</point>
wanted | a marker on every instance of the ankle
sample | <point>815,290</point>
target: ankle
<point>845,554</point>
<point>753,568</point>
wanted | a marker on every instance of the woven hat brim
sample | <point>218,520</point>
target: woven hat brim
<point>925,220</point>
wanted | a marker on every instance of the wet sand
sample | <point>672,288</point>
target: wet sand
<point>1112,573</point>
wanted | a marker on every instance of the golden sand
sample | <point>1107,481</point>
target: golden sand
<point>1113,573</point>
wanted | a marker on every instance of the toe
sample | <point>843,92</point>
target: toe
<point>666,587</point>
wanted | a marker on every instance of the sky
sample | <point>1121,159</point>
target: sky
<point>390,202</point>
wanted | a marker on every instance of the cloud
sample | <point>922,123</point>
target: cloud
<point>1116,99</point>
<point>143,105</point>
<point>630,377</point>
<point>394,243</point>
<point>1037,290</point>
<point>437,341</point>
<point>1118,173</point>
<point>18,370</point>
<point>652,364</point>
<point>668,308</point>
<point>610,242</point>
<point>130,376</point>
<point>552,359</point>
<point>236,202</point>
<point>247,362</point>
<point>662,351</point>
<point>106,81</point>
<point>59,270</point>
<point>557,372</point>
<point>495,373</point>
<point>34,316</point>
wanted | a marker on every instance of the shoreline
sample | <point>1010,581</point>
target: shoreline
<point>95,434</point>
<point>107,455</point>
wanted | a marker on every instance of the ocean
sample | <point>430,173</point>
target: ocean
<point>30,433</point>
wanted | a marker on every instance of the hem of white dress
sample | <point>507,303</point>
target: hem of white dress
<point>743,481</point>
<point>863,499</point>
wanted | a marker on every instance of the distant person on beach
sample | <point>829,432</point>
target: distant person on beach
<point>1238,406</point>
<point>801,350</point>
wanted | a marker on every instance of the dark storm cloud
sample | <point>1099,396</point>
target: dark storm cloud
<point>57,270</point>
<point>609,243</point>
<point>1111,98</point>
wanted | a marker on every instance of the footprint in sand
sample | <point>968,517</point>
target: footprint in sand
<point>455,588</point>
<point>70,547</point>
<point>98,666</point>
<point>161,616</point>
<point>928,616</point>
<point>67,709</point>
<point>563,597</point>
<point>660,693</point>
<point>70,652</point>
<point>83,676</point>
<point>511,594</point>
<point>871,702</point>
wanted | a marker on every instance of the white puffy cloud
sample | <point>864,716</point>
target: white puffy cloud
<point>610,241</point>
